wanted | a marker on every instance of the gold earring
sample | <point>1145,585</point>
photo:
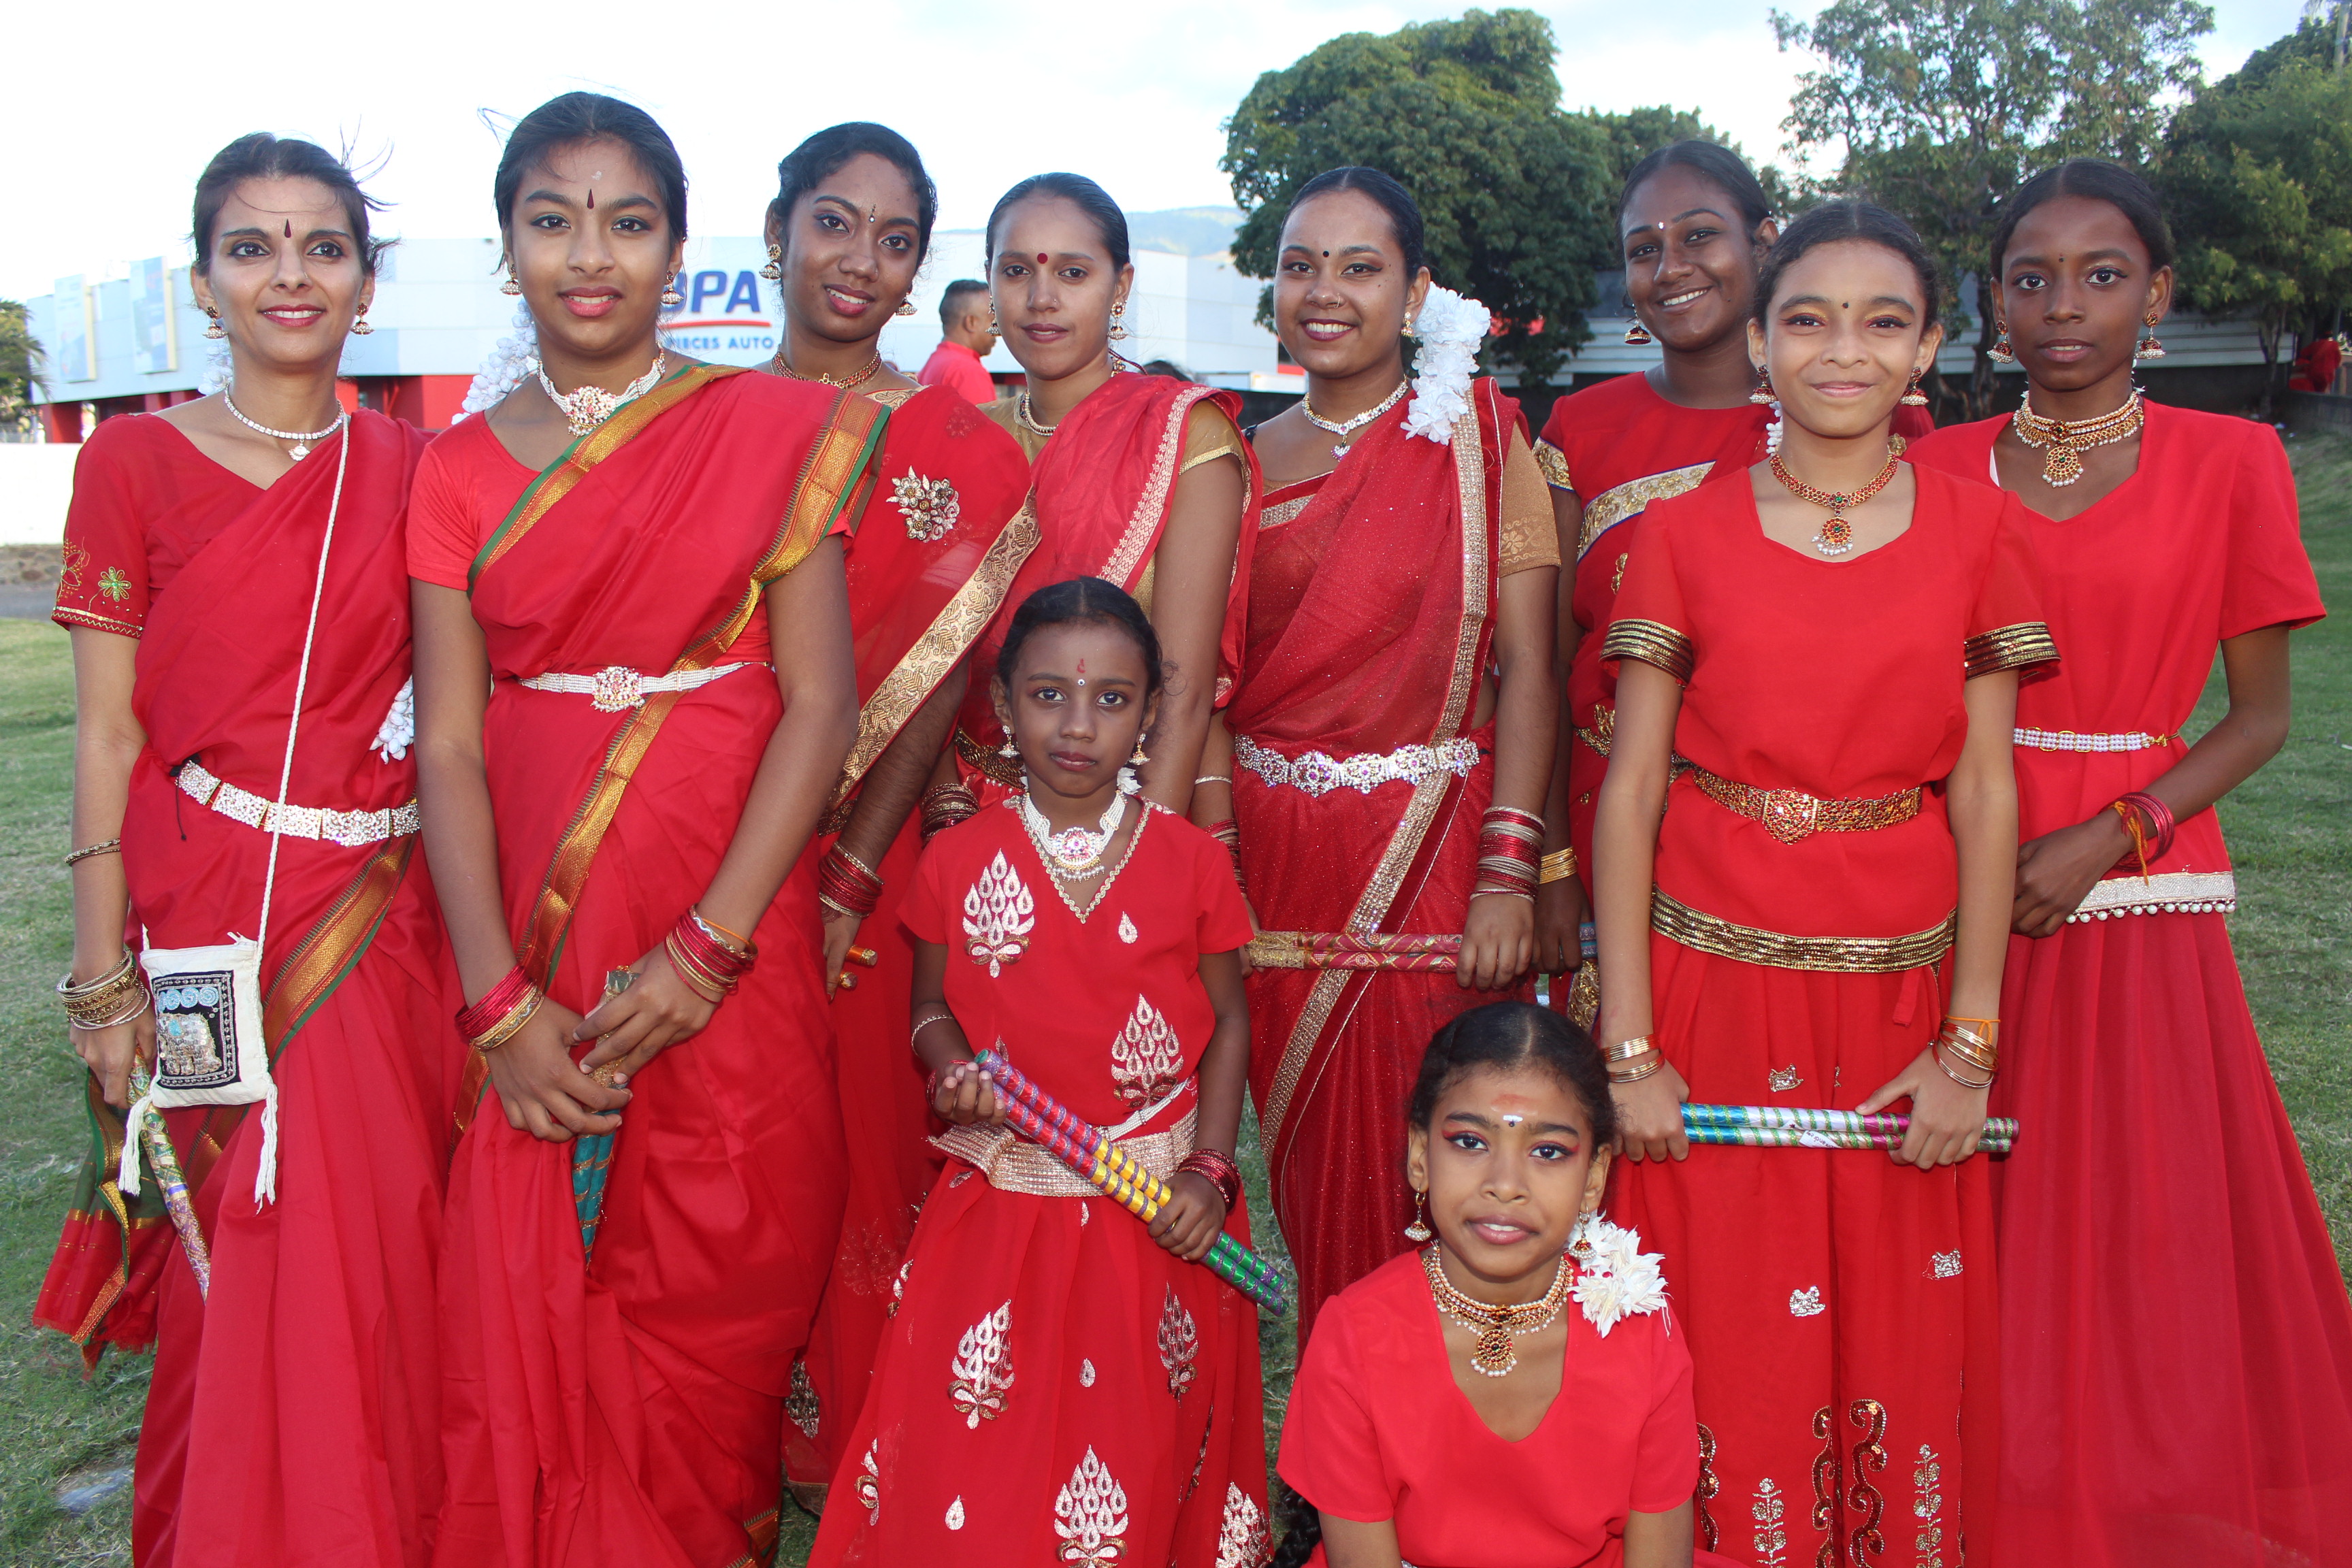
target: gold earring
<point>2001,352</point>
<point>774,270</point>
<point>513,285</point>
<point>1763,392</point>
<point>1580,1245</point>
<point>215,330</point>
<point>906,308</point>
<point>1638,334</point>
<point>1138,759</point>
<point>993,330</point>
<point>670,295</point>
<point>2148,347</point>
<point>1418,1231</point>
<point>1914,398</point>
<point>1117,327</point>
<point>1008,748</point>
<point>360,327</point>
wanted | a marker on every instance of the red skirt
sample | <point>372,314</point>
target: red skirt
<point>1840,1307</point>
<point>2177,1344</point>
<point>1053,1387</point>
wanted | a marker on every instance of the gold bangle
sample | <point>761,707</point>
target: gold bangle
<point>1635,1075</point>
<point>508,1028</point>
<point>111,847</point>
<point>1956,1078</point>
<point>1625,1050</point>
<point>924,1022</point>
<point>1212,778</point>
<point>1558,865</point>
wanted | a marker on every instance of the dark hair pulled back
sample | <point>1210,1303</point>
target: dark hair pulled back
<point>577,117</point>
<point>261,156</point>
<point>1404,213</point>
<point>1507,1035</point>
<point>822,155</point>
<point>1832,222</point>
<point>1710,161</point>
<point>2099,180</point>
<point>1082,601</point>
<point>1089,197</point>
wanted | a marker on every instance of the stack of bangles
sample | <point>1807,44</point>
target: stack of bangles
<point>1558,867</point>
<point>847,884</point>
<point>1633,1051</point>
<point>1219,1171</point>
<point>709,957</point>
<point>115,997</point>
<point>501,1013</point>
<point>1511,853</point>
<point>944,806</point>
<point>2154,840</point>
<point>1229,834</point>
<point>1972,1043</point>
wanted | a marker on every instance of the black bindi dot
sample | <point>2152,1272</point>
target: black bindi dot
<point>1326,254</point>
<point>592,201</point>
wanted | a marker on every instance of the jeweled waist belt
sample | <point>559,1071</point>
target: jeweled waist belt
<point>1012,1164</point>
<point>2088,741</point>
<point>1704,933</point>
<point>616,687</point>
<point>1318,773</point>
<point>1791,815</point>
<point>348,828</point>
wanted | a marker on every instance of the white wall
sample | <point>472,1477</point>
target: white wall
<point>36,482</point>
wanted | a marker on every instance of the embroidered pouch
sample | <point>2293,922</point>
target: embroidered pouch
<point>209,1046</point>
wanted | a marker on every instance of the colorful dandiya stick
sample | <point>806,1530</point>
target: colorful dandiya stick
<point>157,1138</point>
<point>591,1153</point>
<point>1800,1127</point>
<point>1410,953</point>
<point>1082,1146</point>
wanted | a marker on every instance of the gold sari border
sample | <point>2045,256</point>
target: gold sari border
<point>2009,647</point>
<point>1012,1164</point>
<point>1553,462</point>
<point>1703,932</point>
<point>95,622</point>
<point>1613,506</point>
<point>1652,642</point>
<point>2167,892</point>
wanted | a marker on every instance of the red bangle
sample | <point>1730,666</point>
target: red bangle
<point>705,959</point>
<point>1219,1171</point>
<point>847,884</point>
<point>500,999</point>
<point>2159,818</point>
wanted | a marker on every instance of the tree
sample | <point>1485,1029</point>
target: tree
<point>1519,196</point>
<point>1942,107</point>
<point>20,362</point>
<point>2257,174</point>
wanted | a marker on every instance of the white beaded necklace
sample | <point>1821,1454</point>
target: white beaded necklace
<point>1074,852</point>
<point>301,439</point>
<point>1349,426</point>
<point>589,406</point>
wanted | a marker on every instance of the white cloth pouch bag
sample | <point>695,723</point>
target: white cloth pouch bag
<point>209,1046</point>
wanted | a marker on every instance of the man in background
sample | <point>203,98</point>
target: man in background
<point>964,340</point>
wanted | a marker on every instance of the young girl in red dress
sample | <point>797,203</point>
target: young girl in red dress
<point>2162,535</point>
<point>1834,644</point>
<point>1514,1392</point>
<point>1058,1383</point>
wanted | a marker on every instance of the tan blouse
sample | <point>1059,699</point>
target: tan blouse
<point>1529,536</point>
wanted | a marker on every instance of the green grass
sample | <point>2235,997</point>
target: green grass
<point>2290,832</point>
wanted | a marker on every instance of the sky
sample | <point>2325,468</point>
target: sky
<point>117,110</point>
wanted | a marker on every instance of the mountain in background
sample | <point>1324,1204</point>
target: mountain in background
<point>1184,231</point>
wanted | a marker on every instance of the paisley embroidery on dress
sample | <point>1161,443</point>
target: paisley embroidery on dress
<point>1090,1516</point>
<point>1829,1477</point>
<point>998,916</point>
<point>1771,1535</point>
<point>982,1367</point>
<point>930,506</point>
<point>1869,1418</point>
<point>801,1405</point>
<point>1806,1303</point>
<point>898,1290</point>
<point>955,1512</point>
<point>1243,1539</point>
<point>1147,1059</point>
<point>1927,1507</point>
<point>1126,931</point>
<point>1709,1484</point>
<point>1085,1371</point>
<point>868,1488</point>
<point>1179,1345</point>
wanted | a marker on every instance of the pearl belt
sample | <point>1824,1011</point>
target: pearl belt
<point>348,828</point>
<point>2085,740</point>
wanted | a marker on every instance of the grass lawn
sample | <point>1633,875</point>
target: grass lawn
<point>61,1433</point>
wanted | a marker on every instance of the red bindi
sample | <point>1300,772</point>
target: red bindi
<point>592,201</point>
<point>289,228</point>
<point>1040,259</point>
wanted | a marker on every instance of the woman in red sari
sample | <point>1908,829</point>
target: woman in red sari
<point>1143,481</point>
<point>2163,535</point>
<point>943,532</point>
<point>1060,1382</point>
<point>293,1416</point>
<point>609,561</point>
<point>1817,921</point>
<point>1695,225</point>
<point>1395,711</point>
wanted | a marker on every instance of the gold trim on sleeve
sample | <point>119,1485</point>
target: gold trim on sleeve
<point>2009,647</point>
<point>1554,464</point>
<point>1702,932</point>
<point>1611,507</point>
<point>1652,642</point>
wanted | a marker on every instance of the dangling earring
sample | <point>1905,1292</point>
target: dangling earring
<point>1579,1244</point>
<point>906,308</point>
<point>993,330</point>
<point>513,285</point>
<point>361,327</point>
<point>1637,334</point>
<point>1138,758</point>
<point>2148,347</point>
<point>2001,352</point>
<point>1409,324</point>
<point>215,330</point>
<point>1418,1231</point>
<point>774,270</point>
<point>1117,327</point>
<point>1008,748</point>
<point>1914,398</point>
<point>670,295</point>
<point>1763,392</point>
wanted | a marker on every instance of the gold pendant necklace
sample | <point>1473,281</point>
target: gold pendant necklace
<point>2062,442</point>
<point>1836,536</point>
<point>1494,1354</point>
<point>784,367</point>
<point>1344,427</point>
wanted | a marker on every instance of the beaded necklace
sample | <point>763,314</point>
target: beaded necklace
<point>587,407</point>
<point>1349,426</point>
<point>1836,536</point>
<point>1494,1354</point>
<point>2062,442</point>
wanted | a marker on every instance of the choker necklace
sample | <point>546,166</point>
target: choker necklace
<point>1028,421</point>
<point>1494,1355</point>
<point>301,439</point>
<point>590,406</point>
<point>2063,441</point>
<point>1836,536</point>
<point>1349,426</point>
<point>872,366</point>
<point>1073,851</point>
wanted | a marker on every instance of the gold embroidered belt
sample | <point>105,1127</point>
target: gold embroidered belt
<point>1006,771</point>
<point>1677,922</point>
<point>1012,1164</point>
<point>348,828</point>
<point>1792,816</point>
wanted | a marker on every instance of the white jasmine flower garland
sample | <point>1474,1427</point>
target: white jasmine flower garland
<point>1450,328</point>
<point>1619,1278</point>
<point>508,364</point>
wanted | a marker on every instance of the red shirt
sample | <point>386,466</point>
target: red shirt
<point>1377,1429</point>
<point>958,369</point>
<point>145,500</point>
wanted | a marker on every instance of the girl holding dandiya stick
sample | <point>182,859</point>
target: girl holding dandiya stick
<point>292,1413</point>
<point>1834,644</point>
<point>635,693</point>
<point>2164,535</point>
<point>1391,740</point>
<point>942,533</point>
<point>1102,1402</point>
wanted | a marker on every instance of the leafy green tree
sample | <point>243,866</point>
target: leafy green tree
<point>1519,196</point>
<point>2257,172</point>
<point>20,361</point>
<point>1942,107</point>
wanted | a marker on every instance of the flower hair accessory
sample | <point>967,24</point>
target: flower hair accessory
<point>1616,1278</point>
<point>510,361</point>
<point>1450,328</point>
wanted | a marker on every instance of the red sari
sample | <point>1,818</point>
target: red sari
<point>294,1416</point>
<point>941,536</point>
<point>1372,617</point>
<point>1101,488</point>
<point>1054,1386</point>
<point>1840,1306</point>
<point>2158,1414</point>
<point>632,1411</point>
